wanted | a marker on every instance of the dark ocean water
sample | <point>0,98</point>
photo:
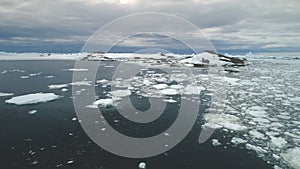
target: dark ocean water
<point>50,138</point>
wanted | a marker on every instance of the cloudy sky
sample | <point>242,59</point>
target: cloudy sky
<point>233,26</point>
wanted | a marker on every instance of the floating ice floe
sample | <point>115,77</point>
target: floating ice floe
<point>78,70</point>
<point>64,90</point>
<point>120,93</point>
<point>236,140</point>
<point>215,142</point>
<point>291,156</point>
<point>5,94</point>
<point>81,83</point>
<point>58,86</point>
<point>32,112</point>
<point>215,120</point>
<point>142,165</point>
<point>257,149</point>
<point>33,98</point>
<point>169,92</point>
<point>102,103</point>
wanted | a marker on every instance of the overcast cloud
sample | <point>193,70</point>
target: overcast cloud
<point>232,25</point>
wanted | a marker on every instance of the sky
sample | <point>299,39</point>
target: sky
<point>232,26</point>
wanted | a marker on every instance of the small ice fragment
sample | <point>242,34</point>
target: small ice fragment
<point>160,86</point>
<point>70,162</point>
<point>142,165</point>
<point>215,142</point>
<point>32,112</point>
<point>34,162</point>
<point>5,94</point>
<point>64,90</point>
<point>58,86</point>
<point>169,92</point>
<point>236,140</point>
<point>78,70</point>
<point>24,77</point>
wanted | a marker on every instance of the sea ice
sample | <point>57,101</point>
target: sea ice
<point>5,94</point>
<point>121,93</point>
<point>291,156</point>
<point>78,70</point>
<point>32,98</point>
<point>58,86</point>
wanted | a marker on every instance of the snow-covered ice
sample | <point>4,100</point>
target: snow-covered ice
<point>32,98</point>
<point>5,94</point>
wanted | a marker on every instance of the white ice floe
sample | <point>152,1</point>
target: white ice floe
<point>257,135</point>
<point>193,90</point>
<point>215,142</point>
<point>292,156</point>
<point>278,142</point>
<point>102,81</point>
<point>120,93</point>
<point>142,165</point>
<point>236,140</point>
<point>81,83</point>
<point>58,86</point>
<point>215,120</point>
<point>78,70</point>
<point>5,94</point>
<point>32,112</point>
<point>24,77</point>
<point>64,90</point>
<point>160,86</point>
<point>170,100</point>
<point>169,92</point>
<point>232,81</point>
<point>257,149</point>
<point>101,103</point>
<point>49,77</point>
<point>32,98</point>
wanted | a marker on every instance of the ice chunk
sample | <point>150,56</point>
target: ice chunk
<point>257,149</point>
<point>102,81</point>
<point>32,98</point>
<point>169,92</point>
<point>291,156</point>
<point>142,165</point>
<point>170,100</point>
<point>5,94</point>
<point>64,90</point>
<point>215,142</point>
<point>101,103</point>
<point>58,86</point>
<point>160,86</point>
<point>256,134</point>
<point>236,140</point>
<point>121,93</point>
<point>81,83</point>
<point>278,142</point>
<point>32,111</point>
<point>78,70</point>
<point>193,90</point>
<point>215,120</point>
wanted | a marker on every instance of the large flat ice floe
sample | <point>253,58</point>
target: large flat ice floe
<point>5,94</point>
<point>32,98</point>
